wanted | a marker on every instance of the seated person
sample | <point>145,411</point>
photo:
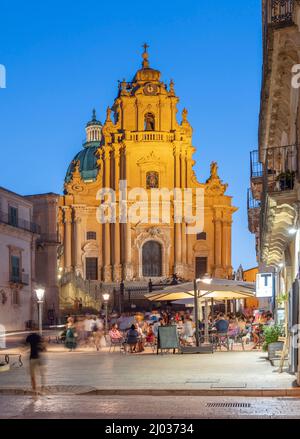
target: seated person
<point>150,337</point>
<point>115,334</point>
<point>222,324</point>
<point>233,328</point>
<point>132,338</point>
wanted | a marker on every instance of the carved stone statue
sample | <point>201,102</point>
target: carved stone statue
<point>149,122</point>
<point>214,170</point>
<point>108,114</point>
<point>184,115</point>
<point>172,87</point>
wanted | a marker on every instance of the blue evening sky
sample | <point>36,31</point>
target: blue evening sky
<point>64,57</point>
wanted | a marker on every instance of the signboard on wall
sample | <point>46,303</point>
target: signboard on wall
<point>264,285</point>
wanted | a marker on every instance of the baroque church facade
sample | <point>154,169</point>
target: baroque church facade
<point>143,143</point>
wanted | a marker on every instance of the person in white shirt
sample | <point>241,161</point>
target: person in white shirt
<point>88,327</point>
<point>187,331</point>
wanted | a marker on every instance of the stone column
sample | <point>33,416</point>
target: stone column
<point>128,255</point>
<point>183,226</point>
<point>117,268</point>
<point>218,244</point>
<point>107,227</point>
<point>68,240</point>
<point>224,244</point>
<point>228,248</point>
<point>178,227</point>
<point>189,165</point>
<point>60,231</point>
<point>78,242</point>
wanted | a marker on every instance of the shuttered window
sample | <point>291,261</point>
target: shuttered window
<point>13,216</point>
<point>15,269</point>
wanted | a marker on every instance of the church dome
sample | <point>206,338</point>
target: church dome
<point>146,73</point>
<point>88,164</point>
<point>87,157</point>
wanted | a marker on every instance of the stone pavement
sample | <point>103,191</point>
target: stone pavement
<point>150,407</point>
<point>85,370</point>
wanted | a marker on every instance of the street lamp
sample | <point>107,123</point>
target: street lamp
<point>106,299</point>
<point>40,293</point>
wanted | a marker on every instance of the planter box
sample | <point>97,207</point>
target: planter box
<point>273,348</point>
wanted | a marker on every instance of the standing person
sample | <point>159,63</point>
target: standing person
<point>188,331</point>
<point>71,335</point>
<point>88,323</point>
<point>156,326</point>
<point>97,333</point>
<point>142,338</point>
<point>37,362</point>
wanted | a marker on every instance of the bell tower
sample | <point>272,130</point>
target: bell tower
<point>93,129</point>
<point>146,103</point>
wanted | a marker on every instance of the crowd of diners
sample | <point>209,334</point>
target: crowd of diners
<point>137,331</point>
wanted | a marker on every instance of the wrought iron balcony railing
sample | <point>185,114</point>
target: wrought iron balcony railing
<point>281,12</point>
<point>19,278</point>
<point>50,238</point>
<point>280,169</point>
<point>277,13</point>
<point>256,168</point>
<point>19,223</point>
<point>252,203</point>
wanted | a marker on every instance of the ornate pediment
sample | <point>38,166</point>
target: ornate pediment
<point>214,185</point>
<point>76,185</point>
<point>152,158</point>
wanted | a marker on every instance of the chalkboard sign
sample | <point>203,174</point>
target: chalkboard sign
<point>167,338</point>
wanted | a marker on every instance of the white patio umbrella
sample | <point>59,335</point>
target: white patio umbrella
<point>217,289</point>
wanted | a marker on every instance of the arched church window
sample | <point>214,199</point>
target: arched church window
<point>149,122</point>
<point>152,180</point>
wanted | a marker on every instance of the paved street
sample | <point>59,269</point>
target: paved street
<point>85,370</point>
<point>149,407</point>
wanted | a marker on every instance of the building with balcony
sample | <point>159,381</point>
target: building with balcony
<point>18,237</point>
<point>273,202</point>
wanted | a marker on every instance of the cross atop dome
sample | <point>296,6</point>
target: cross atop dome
<point>145,56</point>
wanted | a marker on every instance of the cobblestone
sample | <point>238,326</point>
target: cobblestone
<point>145,407</point>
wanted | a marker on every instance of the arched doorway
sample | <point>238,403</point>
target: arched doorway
<point>152,259</point>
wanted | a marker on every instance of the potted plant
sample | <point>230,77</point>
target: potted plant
<point>286,180</point>
<point>271,343</point>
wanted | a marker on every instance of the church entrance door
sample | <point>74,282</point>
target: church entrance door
<point>152,259</point>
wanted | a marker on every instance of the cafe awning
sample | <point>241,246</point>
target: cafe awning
<point>217,289</point>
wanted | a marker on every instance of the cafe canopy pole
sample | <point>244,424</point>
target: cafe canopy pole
<point>196,313</point>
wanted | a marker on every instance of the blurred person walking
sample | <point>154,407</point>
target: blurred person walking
<point>37,363</point>
<point>71,335</point>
